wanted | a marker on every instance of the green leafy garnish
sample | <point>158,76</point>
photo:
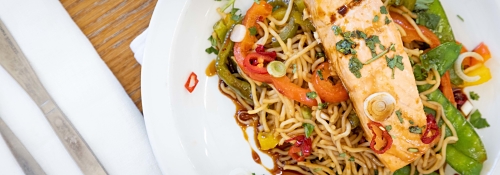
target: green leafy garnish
<point>411,122</point>
<point>379,55</point>
<point>213,41</point>
<point>320,54</point>
<point>336,29</point>
<point>212,50</point>
<point>387,20</point>
<point>371,42</point>
<point>428,20</point>
<point>477,121</point>
<point>294,68</point>
<point>398,113</point>
<point>253,31</point>
<point>355,66</point>
<point>473,95</point>
<point>346,46</point>
<point>396,62</point>
<point>308,129</point>
<point>375,172</point>
<point>351,159</point>
<point>317,169</point>
<point>234,16</point>
<point>419,73</point>
<point>461,19</point>
<point>342,154</point>
<point>415,130</point>
<point>257,1</point>
<point>322,105</point>
<point>311,95</point>
<point>383,10</point>
<point>388,128</point>
<point>422,5</point>
<point>320,74</point>
<point>375,19</point>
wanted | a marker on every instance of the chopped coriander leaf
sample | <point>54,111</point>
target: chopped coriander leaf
<point>212,40</point>
<point>323,105</point>
<point>253,31</point>
<point>461,19</point>
<point>383,10</point>
<point>257,1</point>
<point>382,47</point>
<point>370,42</point>
<point>428,20</point>
<point>342,155</point>
<point>320,74</point>
<point>336,29</point>
<point>375,19</point>
<point>234,16</point>
<point>375,172</point>
<point>346,46</point>
<point>396,62</point>
<point>415,130</point>
<point>294,68</point>
<point>355,66</point>
<point>419,73</point>
<point>212,50</point>
<point>320,54</point>
<point>359,34</point>
<point>311,95</point>
<point>308,129</point>
<point>388,128</point>
<point>473,95</point>
<point>411,122</point>
<point>477,121</point>
<point>398,113</point>
<point>351,159</point>
<point>387,20</point>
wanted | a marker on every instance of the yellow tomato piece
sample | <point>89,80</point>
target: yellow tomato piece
<point>483,72</point>
<point>267,140</point>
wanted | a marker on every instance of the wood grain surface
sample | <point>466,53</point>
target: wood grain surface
<point>111,25</point>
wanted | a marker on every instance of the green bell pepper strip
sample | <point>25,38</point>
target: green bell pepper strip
<point>442,57</point>
<point>288,31</point>
<point>221,30</point>
<point>241,87</point>
<point>304,24</point>
<point>409,4</point>
<point>462,163</point>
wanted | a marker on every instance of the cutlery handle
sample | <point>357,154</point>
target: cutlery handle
<point>23,157</point>
<point>14,61</point>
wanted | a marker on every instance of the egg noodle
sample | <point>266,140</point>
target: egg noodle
<point>338,143</point>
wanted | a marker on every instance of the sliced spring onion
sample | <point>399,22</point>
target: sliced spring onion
<point>276,69</point>
<point>458,66</point>
<point>239,32</point>
<point>413,150</point>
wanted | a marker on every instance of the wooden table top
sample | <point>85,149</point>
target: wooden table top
<point>110,27</point>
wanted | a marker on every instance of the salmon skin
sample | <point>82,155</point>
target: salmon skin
<point>366,20</point>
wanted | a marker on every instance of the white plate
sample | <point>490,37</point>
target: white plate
<point>197,134</point>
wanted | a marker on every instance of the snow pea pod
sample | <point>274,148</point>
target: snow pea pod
<point>406,171</point>
<point>442,57</point>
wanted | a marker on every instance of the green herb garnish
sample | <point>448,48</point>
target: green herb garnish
<point>257,1</point>
<point>461,19</point>
<point>477,121</point>
<point>387,20</point>
<point>388,128</point>
<point>212,50</point>
<point>308,129</point>
<point>311,95</point>
<point>351,159</point>
<point>396,62</point>
<point>355,66</point>
<point>253,31</point>
<point>383,10</point>
<point>473,95</point>
<point>346,46</point>
<point>294,68</point>
<point>336,30</point>
<point>342,154</point>
<point>379,55</point>
<point>320,54</point>
<point>411,122</point>
<point>320,74</point>
<point>322,105</point>
<point>415,130</point>
<point>398,113</point>
<point>375,19</point>
<point>428,20</point>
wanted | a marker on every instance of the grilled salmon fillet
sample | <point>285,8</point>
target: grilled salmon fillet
<point>334,17</point>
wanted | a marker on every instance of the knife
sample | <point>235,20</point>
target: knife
<point>14,62</point>
<point>23,157</point>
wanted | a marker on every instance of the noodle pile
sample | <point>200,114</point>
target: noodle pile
<point>337,147</point>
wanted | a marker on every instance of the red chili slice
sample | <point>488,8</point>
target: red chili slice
<point>385,135</point>
<point>191,82</point>
<point>301,149</point>
<point>256,62</point>
<point>260,50</point>
<point>431,126</point>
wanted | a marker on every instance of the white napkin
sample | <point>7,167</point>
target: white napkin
<point>138,44</point>
<point>83,87</point>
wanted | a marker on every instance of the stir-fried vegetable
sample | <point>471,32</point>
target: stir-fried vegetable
<point>267,140</point>
<point>326,89</point>
<point>385,136</point>
<point>276,68</point>
<point>441,58</point>
<point>406,170</point>
<point>301,148</point>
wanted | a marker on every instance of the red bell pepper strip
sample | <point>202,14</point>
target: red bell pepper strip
<point>191,82</point>
<point>301,149</point>
<point>256,62</point>
<point>258,12</point>
<point>385,135</point>
<point>411,33</point>
<point>431,126</point>
<point>328,92</point>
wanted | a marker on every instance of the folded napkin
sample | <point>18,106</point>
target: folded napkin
<point>83,87</point>
<point>138,44</point>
